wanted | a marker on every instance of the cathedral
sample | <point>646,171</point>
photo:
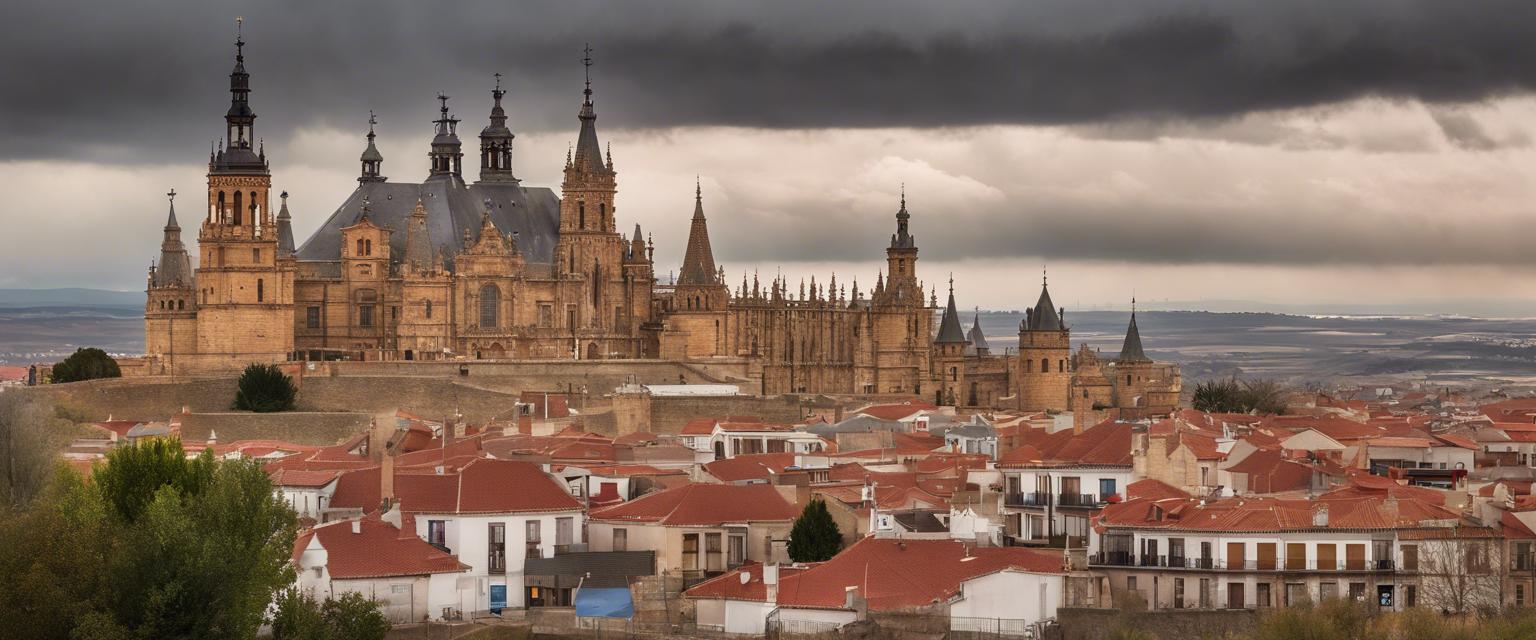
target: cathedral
<point>452,270</point>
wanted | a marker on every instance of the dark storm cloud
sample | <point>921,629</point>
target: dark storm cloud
<point>143,81</point>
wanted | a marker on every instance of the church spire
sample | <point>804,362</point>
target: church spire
<point>447,155</point>
<point>496,142</point>
<point>284,230</point>
<point>1131,351</point>
<point>175,266</point>
<point>698,259</point>
<point>589,154</point>
<point>373,161</point>
<point>903,239</point>
<point>239,154</point>
<point>949,326</point>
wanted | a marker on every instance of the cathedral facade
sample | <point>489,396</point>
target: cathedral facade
<point>492,269</point>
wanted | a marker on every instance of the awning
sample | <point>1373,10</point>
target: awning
<point>604,603</point>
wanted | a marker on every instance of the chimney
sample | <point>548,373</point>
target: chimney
<point>525,424</point>
<point>771,582</point>
<point>1320,515</point>
<point>357,526</point>
<point>386,476</point>
<point>448,432</point>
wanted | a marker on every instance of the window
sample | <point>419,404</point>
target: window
<point>1357,591</point>
<point>1205,593</point>
<point>1519,595</point>
<point>1327,590</point>
<point>712,547</point>
<point>365,315</point>
<point>1178,593</point>
<point>367,247</point>
<point>564,531</point>
<point>490,306</point>
<point>1130,583</point>
<point>621,540</point>
<point>1410,557</point>
<point>1295,593</point>
<point>359,251</point>
<point>1410,595</point>
<point>690,551</point>
<point>496,559</point>
<point>1106,487</point>
<point>256,256</point>
<point>1296,556</point>
<point>312,317</point>
<point>546,314</point>
<point>531,549</point>
<point>429,308</point>
<point>261,290</point>
<point>437,533</point>
<point>1261,595</point>
<point>736,552</point>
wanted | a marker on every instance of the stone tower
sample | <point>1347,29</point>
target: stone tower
<point>949,354</point>
<point>901,285</point>
<point>244,288</point>
<point>591,252</point>
<point>1043,374</point>
<point>699,319</point>
<point>170,312</point>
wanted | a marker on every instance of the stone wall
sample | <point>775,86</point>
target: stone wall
<point>1099,624</point>
<point>669,414</point>
<point>296,427</point>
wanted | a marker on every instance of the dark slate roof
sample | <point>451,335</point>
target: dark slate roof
<point>949,326</point>
<point>920,521</point>
<point>698,258</point>
<point>1044,317</point>
<point>1131,351</point>
<point>175,265</point>
<point>533,213</point>
<point>284,230</point>
<point>978,341</point>
<point>600,568</point>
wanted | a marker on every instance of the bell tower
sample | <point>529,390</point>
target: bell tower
<point>244,292</point>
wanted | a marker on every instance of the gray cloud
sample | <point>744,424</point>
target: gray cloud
<point>124,82</point>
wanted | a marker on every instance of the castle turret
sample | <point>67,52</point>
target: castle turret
<point>170,310</point>
<point>447,154</point>
<point>1131,351</point>
<point>1042,372</point>
<point>902,287</point>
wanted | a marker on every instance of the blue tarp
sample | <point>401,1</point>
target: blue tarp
<point>604,603</point>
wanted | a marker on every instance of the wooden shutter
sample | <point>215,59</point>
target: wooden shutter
<point>1266,556</point>
<point>1354,557</point>
<point>1327,557</point>
<point>1235,559</point>
<point>1296,556</point>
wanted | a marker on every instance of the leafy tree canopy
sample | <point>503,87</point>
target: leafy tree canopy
<point>815,537</point>
<point>87,363</point>
<point>264,388</point>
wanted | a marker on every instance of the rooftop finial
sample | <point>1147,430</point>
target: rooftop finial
<point>172,195</point>
<point>443,101</point>
<point>586,61</point>
<point>239,39</point>
<point>903,195</point>
<point>698,188</point>
<point>1042,275</point>
<point>498,80</point>
<point>372,120</point>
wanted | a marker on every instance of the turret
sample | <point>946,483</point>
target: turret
<point>496,143</point>
<point>447,155</point>
<point>373,161</point>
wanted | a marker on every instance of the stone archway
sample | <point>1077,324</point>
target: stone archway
<point>592,353</point>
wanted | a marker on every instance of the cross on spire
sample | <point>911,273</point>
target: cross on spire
<point>172,195</point>
<point>240,38</point>
<point>586,61</point>
<point>498,80</point>
<point>372,120</point>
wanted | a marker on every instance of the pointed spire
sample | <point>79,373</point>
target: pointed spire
<point>240,156</point>
<point>1131,351</point>
<point>1044,316</point>
<point>284,229</point>
<point>698,258</point>
<point>175,266</point>
<point>949,327</point>
<point>903,239</point>
<point>977,339</point>
<point>447,154</point>
<point>588,152</point>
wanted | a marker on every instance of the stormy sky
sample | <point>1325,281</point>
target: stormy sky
<point>1331,152</point>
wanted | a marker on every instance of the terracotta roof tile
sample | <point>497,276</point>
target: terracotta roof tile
<point>379,549</point>
<point>704,504</point>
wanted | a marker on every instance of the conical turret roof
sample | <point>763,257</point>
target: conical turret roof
<point>698,259</point>
<point>1132,351</point>
<point>1044,317</point>
<point>949,327</point>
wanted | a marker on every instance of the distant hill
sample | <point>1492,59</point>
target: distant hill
<point>69,297</point>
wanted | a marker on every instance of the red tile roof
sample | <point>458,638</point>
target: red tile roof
<point>757,466</point>
<point>378,550</point>
<point>1268,514</point>
<point>481,486</point>
<point>895,411</point>
<point>702,505</point>
<point>1107,444</point>
<point>1153,490</point>
<point>301,478</point>
<point>890,574</point>
<point>706,426</point>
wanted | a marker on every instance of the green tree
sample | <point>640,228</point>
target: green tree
<point>1218,396</point>
<point>264,388</point>
<point>31,434</point>
<point>815,537</point>
<point>159,547</point>
<point>354,617</point>
<point>297,617</point>
<point>86,364</point>
<point>1265,396</point>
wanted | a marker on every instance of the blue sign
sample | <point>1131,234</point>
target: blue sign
<point>498,597</point>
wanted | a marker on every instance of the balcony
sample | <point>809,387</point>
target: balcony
<point>1031,499</point>
<point>1113,559</point>
<point>1078,500</point>
<point>1522,562</point>
<point>1129,559</point>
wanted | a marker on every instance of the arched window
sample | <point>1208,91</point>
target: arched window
<point>490,305</point>
<point>367,247</point>
<point>1127,378</point>
<point>237,209</point>
<point>255,208</point>
<point>219,214</point>
<point>602,212</point>
<point>581,214</point>
<point>181,305</point>
<point>429,309</point>
<point>261,289</point>
<point>1029,366</point>
<point>359,251</point>
<point>1045,365</point>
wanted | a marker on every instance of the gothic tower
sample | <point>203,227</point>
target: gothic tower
<point>244,288</point>
<point>447,154</point>
<point>699,322</point>
<point>1044,346</point>
<point>170,313</point>
<point>949,354</point>
<point>901,285</point>
<point>590,253</point>
<point>496,143</point>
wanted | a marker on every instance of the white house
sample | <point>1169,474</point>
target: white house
<point>411,579</point>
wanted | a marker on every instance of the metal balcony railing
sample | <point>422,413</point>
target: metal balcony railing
<point>1077,500</point>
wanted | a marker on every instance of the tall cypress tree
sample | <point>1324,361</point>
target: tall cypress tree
<point>815,537</point>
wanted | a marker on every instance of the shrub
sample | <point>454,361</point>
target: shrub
<point>264,388</point>
<point>815,537</point>
<point>86,364</point>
